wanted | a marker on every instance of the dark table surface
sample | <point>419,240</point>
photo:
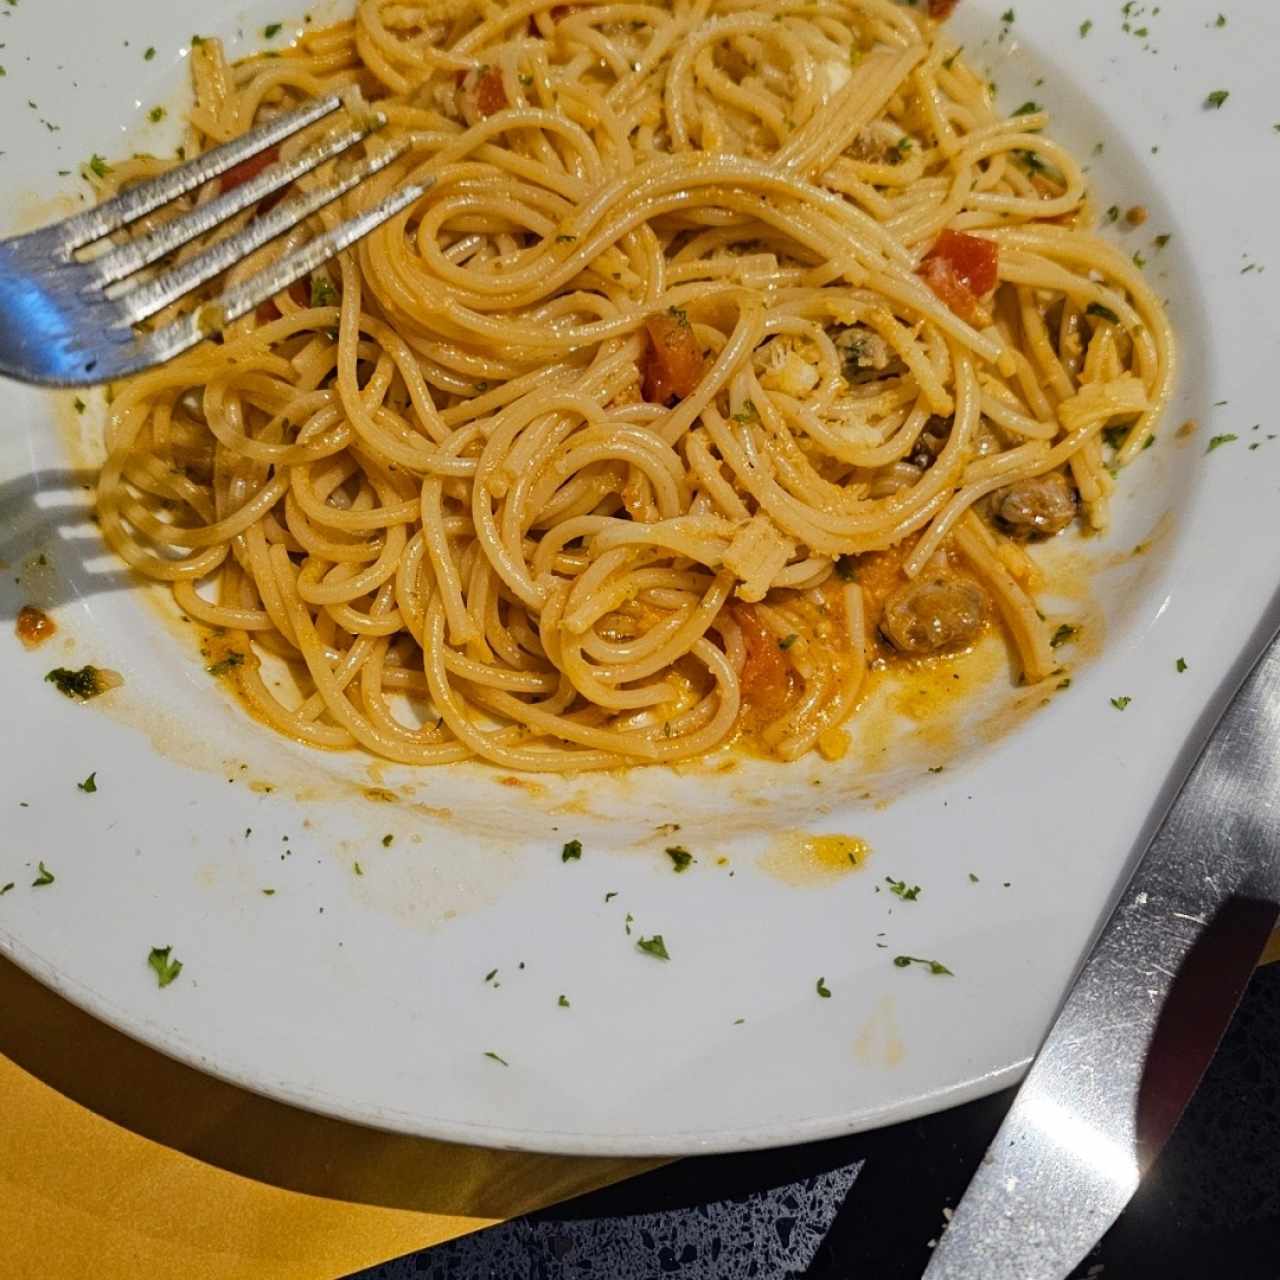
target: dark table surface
<point>868,1207</point>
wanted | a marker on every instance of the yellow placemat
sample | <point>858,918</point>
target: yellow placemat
<point>117,1163</point>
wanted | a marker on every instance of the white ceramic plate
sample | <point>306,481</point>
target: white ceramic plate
<point>364,995</point>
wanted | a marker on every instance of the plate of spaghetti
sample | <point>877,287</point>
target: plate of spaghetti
<point>676,635</point>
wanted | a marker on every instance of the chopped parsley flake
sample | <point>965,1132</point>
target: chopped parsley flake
<point>267,893</point>
<point>150,53</point>
<point>899,889</point>
<point>1217,98</point>
<point>386,840</point>
<point>489,977</point>
<point>1103,313</point>
<point>613,893</point>
<point>934,966</point>
<point>1121,703</point>
<point>572,851</point>
<point>5,888</point>
<point>98,166</point>
<point>1222,20</point>
<point>788,642</point>
<point>1218,441</point>
<point>156,114</point>
<point>972,878</point>
<point>166,968</point>
<point>323,294</point>
<point>563,1002</point>
<point>1029,109</point>
<point>628,922</point>
<point>653,946</point>
<point>681,858</point>
<point>90,784</point>
<point>822,989</point>
<point>1007,17</point>
<point>357,868</point>
<point>1113,214</point>
<point>82,685</point>
<point>1064,633</point>
<point>1085,27</point>
<point>565,239</point>
<point>220,668</point>
<point>489,1053</point>
<point>272,29</point>
<point>79,405</point>
<point>45,877</point>
<point>1180,665</point>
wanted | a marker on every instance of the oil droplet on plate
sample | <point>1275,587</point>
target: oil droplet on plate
<point>802,858</point>
<point>879,1043</point>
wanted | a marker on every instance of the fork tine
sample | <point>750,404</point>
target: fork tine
<point>135,255</point>
<point>185,333</point>
<point>84,228</point>
<point>156,294</point>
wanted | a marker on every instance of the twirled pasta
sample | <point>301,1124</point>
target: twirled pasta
<point>680,398</point>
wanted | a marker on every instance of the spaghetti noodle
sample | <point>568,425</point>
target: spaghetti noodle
<point>739,345</point>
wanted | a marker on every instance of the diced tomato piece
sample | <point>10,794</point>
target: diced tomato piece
<point>490,94</point>
<point>239,174</point>
<point>942,9</point>
<point>267,203</point>
<point>962,270</point>
<point>764,680</point>
<point>34,626</point>
<point>299,291</point>
<point>555,13</point>
<point>674,364</point>
<point>976,261</point>
<point>941,277</point>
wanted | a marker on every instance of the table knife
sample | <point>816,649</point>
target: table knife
<point>1143,1018</point>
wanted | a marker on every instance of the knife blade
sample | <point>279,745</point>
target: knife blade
<point>1144,1017</point>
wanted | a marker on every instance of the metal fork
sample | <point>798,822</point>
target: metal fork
<point>63,324</point>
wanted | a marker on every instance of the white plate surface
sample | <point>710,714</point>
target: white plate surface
<point>364,996</point>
